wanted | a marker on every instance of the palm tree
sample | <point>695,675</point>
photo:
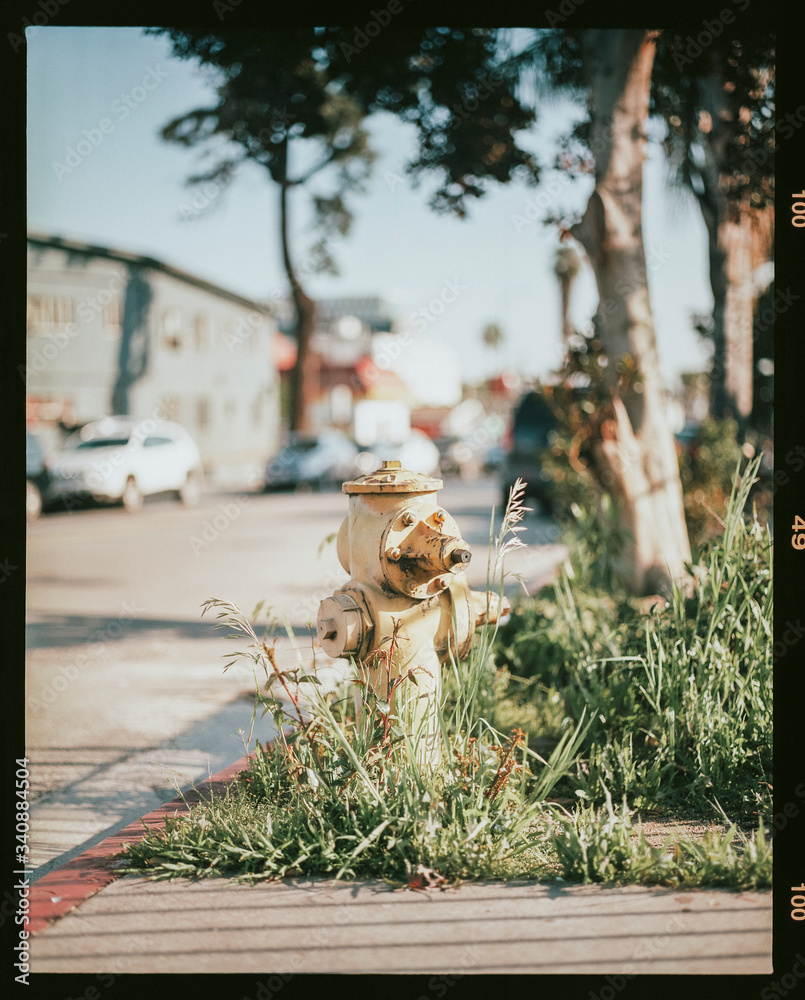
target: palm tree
<point>493,337</point>
<point>566,266</point>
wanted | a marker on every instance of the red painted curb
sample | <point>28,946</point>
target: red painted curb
<point>64,889</point>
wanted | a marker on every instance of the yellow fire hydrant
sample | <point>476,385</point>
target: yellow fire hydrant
<point>407,604</point>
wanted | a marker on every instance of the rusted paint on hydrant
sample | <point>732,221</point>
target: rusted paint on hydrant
<point>406,559</point>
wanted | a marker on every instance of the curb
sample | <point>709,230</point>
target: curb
<point>65,888</point>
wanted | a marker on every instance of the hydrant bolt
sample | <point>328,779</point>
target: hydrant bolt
<point>328,628</point>
<point>408,519</point>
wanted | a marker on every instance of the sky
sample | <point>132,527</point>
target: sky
<point>98,171</point>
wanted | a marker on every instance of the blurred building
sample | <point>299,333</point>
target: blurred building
<point>342,356</point>
<point>111,332</point>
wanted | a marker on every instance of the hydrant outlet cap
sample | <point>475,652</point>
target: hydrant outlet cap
<point>390,478</point>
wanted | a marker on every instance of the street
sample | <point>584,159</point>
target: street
<point>125,694</point>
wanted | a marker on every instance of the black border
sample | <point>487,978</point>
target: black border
<point>789,937</point>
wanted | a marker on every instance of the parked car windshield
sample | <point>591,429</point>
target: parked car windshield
<point>103,443</point>
<point>299,447</point>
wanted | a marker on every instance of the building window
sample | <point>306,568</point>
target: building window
<point>257,410</point>
<point>112,319</point>
<point>172,328</point>
<point>229,336</point>
<point>48,312</point>
<point>170,408</point>
<point>200,332</point>
<point>202,413</point>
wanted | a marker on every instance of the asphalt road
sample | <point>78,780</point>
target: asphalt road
<point>125,695</point>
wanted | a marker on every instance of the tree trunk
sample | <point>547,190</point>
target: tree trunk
<point>636,454</point>
<point>732,260</point>
<point>303,376</point>
<point>739,313</point>
<point>567,327</point>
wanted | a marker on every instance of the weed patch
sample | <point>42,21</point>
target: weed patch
<point>678,695</point>
<point>586,696</point>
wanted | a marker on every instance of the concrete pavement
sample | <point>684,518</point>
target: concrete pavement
<point>212,926</point>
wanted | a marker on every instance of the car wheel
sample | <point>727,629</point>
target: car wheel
<point>33,501</point>
<point>190,493</point>
<point>132,498</point>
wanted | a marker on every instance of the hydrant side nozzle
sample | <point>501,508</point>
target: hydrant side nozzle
<point>459,555</point>
<point>339,625</point>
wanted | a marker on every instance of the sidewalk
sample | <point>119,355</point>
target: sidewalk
<point>85,918</point>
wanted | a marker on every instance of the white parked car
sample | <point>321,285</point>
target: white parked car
<point>121,459</point>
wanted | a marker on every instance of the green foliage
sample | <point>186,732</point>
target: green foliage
<point>679,698</point>
<point>579,399</point>
<point>707,470</point>
<point>602,845</point>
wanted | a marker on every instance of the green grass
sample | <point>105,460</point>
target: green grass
<point>603,845</point>
<point>667,709</point>
<point>679,699</point>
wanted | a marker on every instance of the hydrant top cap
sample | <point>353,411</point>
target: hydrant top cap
<point>393,479</point>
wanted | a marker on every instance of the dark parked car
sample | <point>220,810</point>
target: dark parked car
<point>37,477</point>
<point>533,424</point>
<point>313,461</point>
